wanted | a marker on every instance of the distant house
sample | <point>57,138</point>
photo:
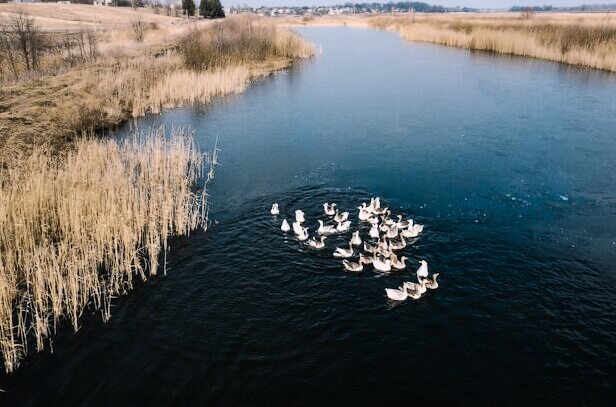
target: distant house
<point>102,2</point>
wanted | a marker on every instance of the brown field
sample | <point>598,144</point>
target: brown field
<point>61,17</point>
<point>584,39</point>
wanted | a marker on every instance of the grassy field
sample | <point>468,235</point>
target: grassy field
<point>584,39</point>
<point>81,216</point>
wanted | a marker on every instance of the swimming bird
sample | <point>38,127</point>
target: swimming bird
<point>380,211</point>
<point>297,228</point>
<point>419,287</point>
<point>431,283</point>
<point>398,245</point>
<point>329,209</point>
<point>356,240</point>
<point>392,232</point>
<point>275,210</point>
<point>325,230</point>
<point>317,244</point>
<point>303,235</point>
<point>352,266</point>
<point>381,265</point>
<point>345,253</point>
<point>373,220</point>
<point>369,248</point>
<point>398,264</point>
<point>413,231</point>
<point>340,217</point>
<point>374,232</point>
<point>377,202</point>
<point>285,226</point>
<point>414,290</point>
<point>422,271</point>
<point>400,294</point>
<point>404,224</point>
<point>343,227</point>
<point>299,216</point>
<point>364,214</point>
<point>365,259</point>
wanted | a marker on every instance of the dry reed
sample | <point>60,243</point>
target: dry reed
<point>583,40</point>
<point>75,231</point>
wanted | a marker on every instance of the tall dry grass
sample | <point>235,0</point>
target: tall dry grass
<point>76,230</point>
<point>585,40</point>
<point>187,64</point>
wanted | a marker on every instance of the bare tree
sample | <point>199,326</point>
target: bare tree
<point>28,39</point>
<point>139,28</point>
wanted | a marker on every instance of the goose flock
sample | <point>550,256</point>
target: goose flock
<point>387,235</point>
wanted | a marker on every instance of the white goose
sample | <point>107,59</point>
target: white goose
<point>356,240</point>
<point>352,266</point>
<point>422,271</point>
<point>317,244</point>
<point>404,224</point>
<point>380,211</point>
<point>400,294</point>
<point>340,217</point>
<point>412,231</point>
<point>303,235</point>
<point>329,209</point>
<point>325,230</point>
<point>285,226</point>
<point>374,232</point>
<point>364,215</point>
<point>373,220</point>
<point>343,227</point>
<point>299,216</point>
<point>275,210</point>
<point>392,232</point>
<point>344,253</point>
<point>398,264</point>
<point>381,265</point>
<point>297,228</point>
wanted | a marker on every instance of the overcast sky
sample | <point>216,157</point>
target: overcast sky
<point>468,3</point>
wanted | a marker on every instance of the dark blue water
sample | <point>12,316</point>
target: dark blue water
<point>510,163</point>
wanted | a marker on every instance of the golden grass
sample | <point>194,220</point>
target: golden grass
<point>76,231</point>
<point>579,39</point>
<point>131,79</point>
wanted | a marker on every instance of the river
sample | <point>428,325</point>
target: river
<point>509,162</point>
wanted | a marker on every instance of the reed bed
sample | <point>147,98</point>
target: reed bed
<point>76,230</point>
<point>584,40</point>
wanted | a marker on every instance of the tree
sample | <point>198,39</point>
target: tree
<point>211,9</point>
<point>189,6</point>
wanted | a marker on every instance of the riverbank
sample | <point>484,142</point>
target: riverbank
<point>126,77</point>
<point>82,216</point>
<point>582,39</point>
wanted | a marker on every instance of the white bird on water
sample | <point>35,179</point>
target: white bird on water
<point>344,226</point>
<point>317,244</point>
<point>381,265</point>
<point>400,294</point>
<point>352,266</point>
<point>374,232</point>
<point>303,235</point>
<point>432,284</point>
<point>299,216</point>
<point>356,240</point>
<point>340,217</point>
<point>345,253</point>
<point>422,271</point>
<point>297,228</point>
<point>285,226</point>
<point>275,210</point>
<point>325,230</point>
<point>330,210</point>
